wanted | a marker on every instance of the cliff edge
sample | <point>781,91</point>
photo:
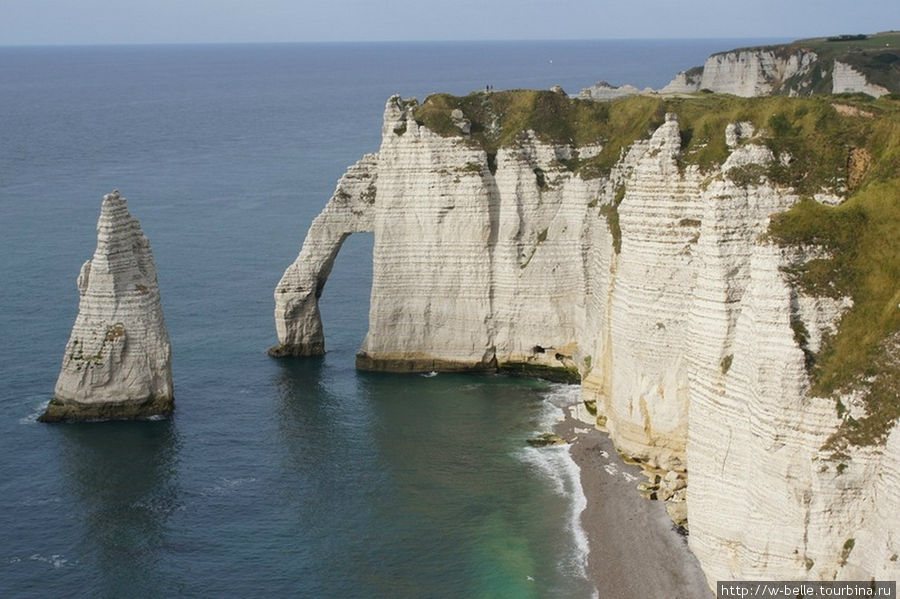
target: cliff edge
<point>720,273</point>
<point>117,363</point>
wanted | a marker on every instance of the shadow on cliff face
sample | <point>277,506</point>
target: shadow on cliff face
<point>122,477</point>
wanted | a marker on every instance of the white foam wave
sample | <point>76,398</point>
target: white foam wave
<point>563,396</point>
<point>36,412</point>
<point>555,463</point>
<point>549,462</point>
<point>226,486</point>
<point>39,501</point>
<point>557,400</point>
<point>159,505</point>
<point>56,560</point>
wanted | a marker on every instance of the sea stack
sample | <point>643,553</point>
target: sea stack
<point>117,364</point>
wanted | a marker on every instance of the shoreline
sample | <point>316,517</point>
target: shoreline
<point>635,551</point>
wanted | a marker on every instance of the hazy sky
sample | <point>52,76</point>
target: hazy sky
<point>167,21</point>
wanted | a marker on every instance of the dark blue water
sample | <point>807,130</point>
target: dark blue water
<point>274,478</point>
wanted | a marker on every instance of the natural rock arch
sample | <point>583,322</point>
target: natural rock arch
<point>350,210</point>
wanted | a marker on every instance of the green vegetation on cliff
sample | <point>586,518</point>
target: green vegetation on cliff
<point>814,132</point>
<point>846,144</point>
<point>498,118</point>
<point>876,56</point>
<point>862,242</point>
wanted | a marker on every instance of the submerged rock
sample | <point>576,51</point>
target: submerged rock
<point>546,439</point>
<point>117,364</point>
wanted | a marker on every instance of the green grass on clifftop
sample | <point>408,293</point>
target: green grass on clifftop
<point>824,46</point>
<point>844,142</point>
<point>809,129</point>
<point>499,117</point>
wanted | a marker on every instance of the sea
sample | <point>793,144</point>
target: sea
<point>274,478</point>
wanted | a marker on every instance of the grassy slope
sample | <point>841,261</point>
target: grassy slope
<point>863,234</point>
<point>878,56</point>
<point>875,41</point>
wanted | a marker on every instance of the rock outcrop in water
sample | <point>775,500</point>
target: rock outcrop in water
<point>117,363</point>
<point>647,268</point>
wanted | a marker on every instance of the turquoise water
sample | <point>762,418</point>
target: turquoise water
<point>274,478</point>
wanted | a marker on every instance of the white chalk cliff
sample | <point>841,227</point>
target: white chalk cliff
<point>117,363</point>
<point>847,79</point>
<point>776,70</point>
<point>677,317</point>
<point>604,91</point>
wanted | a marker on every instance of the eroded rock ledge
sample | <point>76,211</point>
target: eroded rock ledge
<point>117,364</point>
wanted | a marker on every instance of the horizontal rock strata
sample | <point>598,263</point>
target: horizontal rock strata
<point>117,363</point>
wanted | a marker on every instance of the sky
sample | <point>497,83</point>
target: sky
<point>55,22</point>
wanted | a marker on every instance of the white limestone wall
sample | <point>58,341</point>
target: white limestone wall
<point>846,79</point>
<point>431,291</point>
<point>682,83</point>
<point>684,337</point>
<point>751,73</point>
<point>647,404</point>
<point>765,501</point>
<point>473,268</point>
<point>538,262</point>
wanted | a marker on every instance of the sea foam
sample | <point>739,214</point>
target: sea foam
<point>555,463</point>
<point>39,409</point>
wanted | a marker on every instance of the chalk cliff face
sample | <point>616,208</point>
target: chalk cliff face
<point>847,79</point>
<point>656,284</point>
<point>507,237</point>
<point>791,70</point>
<point>685,82</point>
<point>604,91</point>
<point>117,363</point>
<point>749,73</point>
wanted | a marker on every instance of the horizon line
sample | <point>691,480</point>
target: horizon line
<point>411,41</point>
